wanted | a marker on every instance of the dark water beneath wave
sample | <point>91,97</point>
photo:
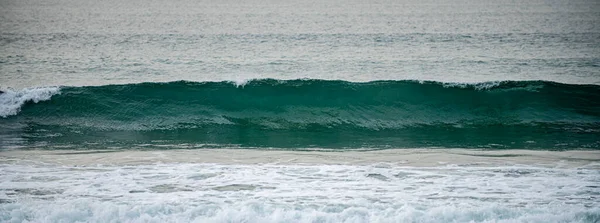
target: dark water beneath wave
<point>310,114</point>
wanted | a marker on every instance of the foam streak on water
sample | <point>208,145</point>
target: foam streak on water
<point>297,193</point>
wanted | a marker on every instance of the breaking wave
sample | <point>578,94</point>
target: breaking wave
<point>313,113</point>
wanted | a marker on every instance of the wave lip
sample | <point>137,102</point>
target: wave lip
<point>12,101</point>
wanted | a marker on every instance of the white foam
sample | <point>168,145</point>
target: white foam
<point>241,82</point>
<point>185,192</point>
<point>90,210</point>
<point>477,86</point>
<point>12,101</point>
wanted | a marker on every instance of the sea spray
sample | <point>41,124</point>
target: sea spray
<point>11,101</point>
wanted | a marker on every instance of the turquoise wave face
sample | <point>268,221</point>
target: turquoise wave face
<point>311,114</point>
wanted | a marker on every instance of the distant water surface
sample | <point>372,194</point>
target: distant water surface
<point>77,43</point>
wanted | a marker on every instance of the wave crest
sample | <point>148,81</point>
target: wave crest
<point>12,101</point>
<point>313,113</point>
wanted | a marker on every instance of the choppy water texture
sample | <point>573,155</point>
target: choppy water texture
<point>67,42</point>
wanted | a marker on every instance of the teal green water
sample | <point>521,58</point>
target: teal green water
<point>312,114</point>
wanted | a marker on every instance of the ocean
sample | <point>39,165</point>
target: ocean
<point>300,111</point>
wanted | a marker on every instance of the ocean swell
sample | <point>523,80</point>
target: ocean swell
<point>310,112</point>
